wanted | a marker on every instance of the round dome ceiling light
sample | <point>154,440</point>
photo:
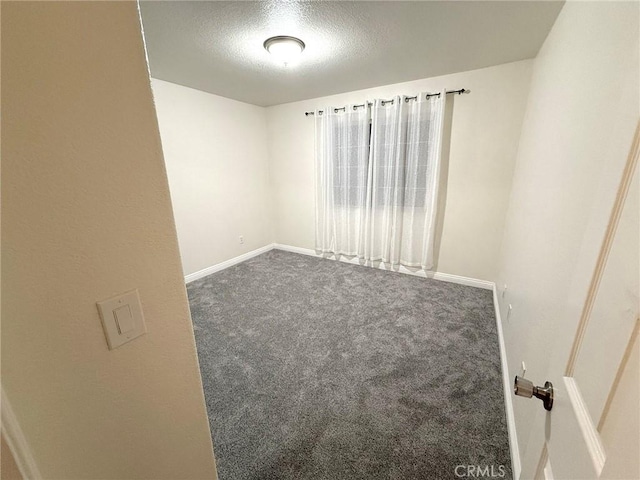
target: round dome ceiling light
<point>283,48</point>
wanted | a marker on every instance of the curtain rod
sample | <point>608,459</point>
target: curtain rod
<point>384,102</point>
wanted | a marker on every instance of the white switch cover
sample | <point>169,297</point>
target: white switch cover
<point>122,318</point>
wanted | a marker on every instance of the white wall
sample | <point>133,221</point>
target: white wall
<point>582,111</point>
<point>215,149</point>
<point>484,138</point>
<point>86,214</point>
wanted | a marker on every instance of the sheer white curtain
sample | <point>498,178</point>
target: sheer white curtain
<point>342,157</point>
<point>406,145</point>
<point>377,186</point>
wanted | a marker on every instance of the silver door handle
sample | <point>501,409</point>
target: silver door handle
<point>525,388</point>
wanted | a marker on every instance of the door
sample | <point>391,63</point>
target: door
<point>593,428</point>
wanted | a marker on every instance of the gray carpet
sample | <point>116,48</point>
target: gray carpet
<point>317,369</point>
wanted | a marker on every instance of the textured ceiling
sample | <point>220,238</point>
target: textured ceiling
<point>217,46</point>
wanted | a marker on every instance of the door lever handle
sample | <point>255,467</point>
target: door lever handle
<point>525,388</point>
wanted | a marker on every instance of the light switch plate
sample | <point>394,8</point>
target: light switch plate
<point>122,318</point>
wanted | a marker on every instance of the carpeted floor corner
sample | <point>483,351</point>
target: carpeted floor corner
<point>317,369</point>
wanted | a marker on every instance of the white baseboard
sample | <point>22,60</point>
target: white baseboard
<point>516,464</point>
<point>226,264</point>
<point>300,250</point>
<point>445,277</point>
<point>17,442</point>
<point>471,282</point>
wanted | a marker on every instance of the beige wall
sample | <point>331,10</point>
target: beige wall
<point>484,138</point>
<point>216,155</point>
<point>86,214</point>
<point>581,115</point>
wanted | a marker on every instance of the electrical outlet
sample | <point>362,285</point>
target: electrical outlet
<point>504,290</point>
<point>241,239</point>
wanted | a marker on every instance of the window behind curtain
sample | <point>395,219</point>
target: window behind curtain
<point>349,174</point>
<point>377,179</point>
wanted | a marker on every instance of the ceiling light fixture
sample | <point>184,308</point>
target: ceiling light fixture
<point>284,49</point>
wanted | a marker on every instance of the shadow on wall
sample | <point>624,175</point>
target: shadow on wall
<point>443,181</point>
<point>8,467</point>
